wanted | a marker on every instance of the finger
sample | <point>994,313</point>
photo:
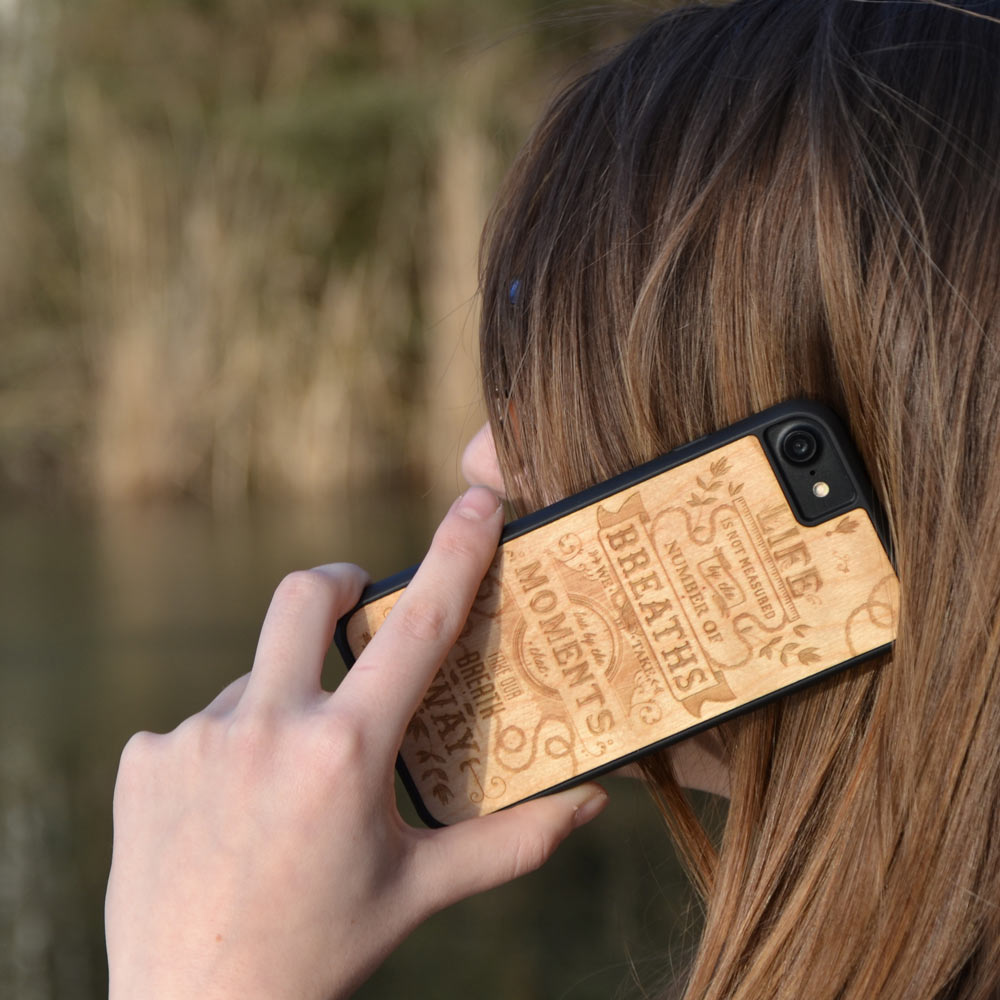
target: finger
<point>297,632</point>
<point>392,674</point>
<point>481,854</point>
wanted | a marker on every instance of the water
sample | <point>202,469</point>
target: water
<point>123,620</point>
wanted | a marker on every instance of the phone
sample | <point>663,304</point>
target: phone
<point>645,609</point>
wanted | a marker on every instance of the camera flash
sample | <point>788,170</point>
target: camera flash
<point>821,489</point>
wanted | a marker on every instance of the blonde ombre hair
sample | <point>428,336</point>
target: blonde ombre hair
<point>758,201</point>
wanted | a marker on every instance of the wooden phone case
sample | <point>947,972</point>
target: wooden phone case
<point>642,611</point>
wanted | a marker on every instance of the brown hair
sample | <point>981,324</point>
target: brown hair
<point>748,203</point>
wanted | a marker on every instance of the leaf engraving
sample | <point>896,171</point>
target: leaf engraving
<point>442,793</point>
<point>846,526</point>
<point>768,649</point>
<point>787,651</point>
<point>418,729</point>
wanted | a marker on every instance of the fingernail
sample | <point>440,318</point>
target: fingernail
<point>478,503</point>
<point>591,806</point>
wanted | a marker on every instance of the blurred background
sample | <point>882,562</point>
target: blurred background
<point>237,337</point>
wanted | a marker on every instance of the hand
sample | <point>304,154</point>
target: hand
<point>258,850</point>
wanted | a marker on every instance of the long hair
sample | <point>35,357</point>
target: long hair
<point>748,203</point>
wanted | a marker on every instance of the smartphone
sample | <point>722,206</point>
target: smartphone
<point>645,609</point>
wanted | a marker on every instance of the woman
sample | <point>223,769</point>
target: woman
<point>744,204</point>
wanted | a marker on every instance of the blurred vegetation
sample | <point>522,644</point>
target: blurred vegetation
<point>240,236</point>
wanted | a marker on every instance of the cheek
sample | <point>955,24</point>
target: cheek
<point>699,763</point>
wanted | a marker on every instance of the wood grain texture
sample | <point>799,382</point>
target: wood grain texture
<point>665,605</point>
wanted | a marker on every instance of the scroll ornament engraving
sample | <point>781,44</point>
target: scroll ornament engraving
<point>646,695</point>
<point>880,613</point>
<point>497,786</point>
<point>516,751</point>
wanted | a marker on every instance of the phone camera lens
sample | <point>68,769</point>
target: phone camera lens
<point>800,446</point>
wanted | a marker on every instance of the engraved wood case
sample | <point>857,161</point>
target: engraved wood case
<point>643,610</point>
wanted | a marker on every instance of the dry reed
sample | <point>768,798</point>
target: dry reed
<point>211,339</point>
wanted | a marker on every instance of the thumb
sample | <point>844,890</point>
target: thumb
<point>482,853</point>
